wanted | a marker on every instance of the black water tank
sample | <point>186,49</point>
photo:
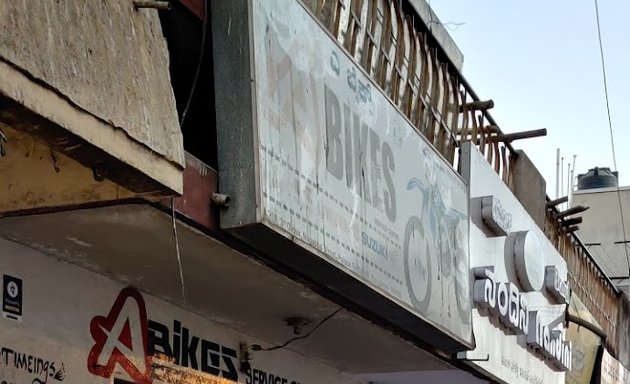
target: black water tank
<point>597,178</point>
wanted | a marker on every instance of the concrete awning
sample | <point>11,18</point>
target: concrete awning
<point>134,244</point>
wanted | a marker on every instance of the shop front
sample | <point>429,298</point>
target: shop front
<point>64,324</point>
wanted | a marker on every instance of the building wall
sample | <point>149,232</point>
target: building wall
<point>601,228</point>
<point>439,32</point>
<point>529,188</point>
<point>76,326</point>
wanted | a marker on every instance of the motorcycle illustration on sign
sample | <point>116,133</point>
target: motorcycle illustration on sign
<point>435,245</point>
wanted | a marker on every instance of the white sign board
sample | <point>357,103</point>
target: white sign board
<point>345,175</point>
<point>517,318</point>
<point>79,327</point>
<point>613,372</point>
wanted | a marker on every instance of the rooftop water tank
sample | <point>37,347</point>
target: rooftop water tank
<point>597,178</point>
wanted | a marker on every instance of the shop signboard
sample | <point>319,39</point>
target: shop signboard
<point>79,327</point>
<point>586,345</point>
<point>520,289</point>
<point>325,160</point>
<point>612,371</point>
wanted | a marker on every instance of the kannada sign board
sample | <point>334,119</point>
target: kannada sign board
<point>520,289</point>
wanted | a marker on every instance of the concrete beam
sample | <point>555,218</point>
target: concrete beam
<point>34,108</point>
<point>34,178</point>
<point>104,99</point>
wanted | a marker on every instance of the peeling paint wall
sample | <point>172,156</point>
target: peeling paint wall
<point>104,57</point>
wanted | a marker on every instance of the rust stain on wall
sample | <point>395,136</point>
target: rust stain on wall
<point>200,182</point>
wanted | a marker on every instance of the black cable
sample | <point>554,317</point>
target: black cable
<point>257,347</point>
<point>612,138</point>
<point>201,55</point>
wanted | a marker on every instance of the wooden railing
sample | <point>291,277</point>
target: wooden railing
<point>587,280</point>
<point>406,64</point>
<point>399,54</point>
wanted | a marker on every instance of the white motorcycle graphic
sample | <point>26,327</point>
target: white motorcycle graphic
<point>434,248</point>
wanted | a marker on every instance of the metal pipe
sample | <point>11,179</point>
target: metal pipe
<point>221,200</point>
<point>477,105</point>
<point>155,4</point>
<point>572,228</point>
<point>583,323</point>
<point>487,129</point>
<point>558,172</point>
<point>569,182</point>
<point>571,211</point>
<point>523,135</point>
<point>572,180</point>
<point>555,202</point>
<point>561,176</point>
<point>572,221</point>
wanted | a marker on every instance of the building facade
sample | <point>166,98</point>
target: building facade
<point>602,230</point>
<point>275,191</point>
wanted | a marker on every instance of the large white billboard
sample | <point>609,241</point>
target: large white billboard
<point>342,173</point>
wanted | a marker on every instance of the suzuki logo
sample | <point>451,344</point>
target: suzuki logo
<point>121,338</point>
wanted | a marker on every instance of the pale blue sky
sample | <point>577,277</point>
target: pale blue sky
<point>539,61</point>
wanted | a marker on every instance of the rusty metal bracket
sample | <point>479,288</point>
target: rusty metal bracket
<point>509,137</point>
<point>571,222</point>
<point>572,228</point>
<point>587,325</point>
<point>571,211</point>
<point>462,357</point>
<point>155,4</point>
<point>221,200</point>
<point>553,203</point>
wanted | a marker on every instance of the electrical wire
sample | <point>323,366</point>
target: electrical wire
<point>257,347</point>
<point>610,128</point>
<point>202,50</point>
<point>179,255</point>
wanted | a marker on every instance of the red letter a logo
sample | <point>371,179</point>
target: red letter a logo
<point>121,338</point>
